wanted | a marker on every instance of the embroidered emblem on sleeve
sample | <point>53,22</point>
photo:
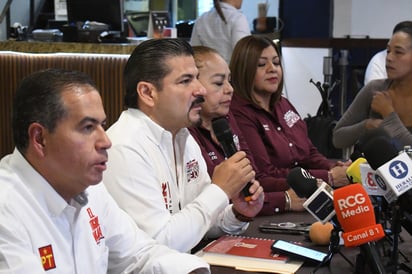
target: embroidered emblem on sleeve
<point>291,118</point>
<point>47,257</point>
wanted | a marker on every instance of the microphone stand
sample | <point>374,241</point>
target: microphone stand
<point>325,90</point>
<point>334,248</point>
<point>397,228</point>
<point>368,254</point>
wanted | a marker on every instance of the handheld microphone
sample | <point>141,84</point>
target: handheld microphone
<point>319,201</point>
<point>225,137</point>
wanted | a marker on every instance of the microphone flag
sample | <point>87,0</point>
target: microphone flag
<point>356,216</point>
<point>319,198</point>
<point>397,173</point>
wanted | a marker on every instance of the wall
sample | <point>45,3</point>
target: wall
<point>19,12</point>
<point>357,18</point>
<point>375,18</point>
<point>300,65</point>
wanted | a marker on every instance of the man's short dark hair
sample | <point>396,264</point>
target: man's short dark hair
<point>38,99</point>
<point>148,63</point>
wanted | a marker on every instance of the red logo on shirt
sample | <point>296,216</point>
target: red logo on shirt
<point>167,196</point>
<point>94,224</point>
<point>192,170</point>
<point>47,257</point>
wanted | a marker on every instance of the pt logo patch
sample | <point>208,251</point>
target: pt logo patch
<point>47,257</point>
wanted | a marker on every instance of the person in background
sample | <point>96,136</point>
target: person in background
<point>214,74</point>
<point>221,27</point>
<point>174,200</point>
<point>268,121</point>
<point>383,103</point>
<point>376,66</point>
<point>55,216</point>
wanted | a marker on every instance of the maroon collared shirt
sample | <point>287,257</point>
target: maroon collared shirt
<point>278,141</point>
<point>274,187</point>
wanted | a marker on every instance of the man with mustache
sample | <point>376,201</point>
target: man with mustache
<point>55,215</point>
<point>156,171</point>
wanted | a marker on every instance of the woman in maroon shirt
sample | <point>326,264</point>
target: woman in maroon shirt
<point>270,124</point>
<point>214,74</point>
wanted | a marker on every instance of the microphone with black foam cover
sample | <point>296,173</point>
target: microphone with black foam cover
<point>393,168</point>
<point>379,150</point>
<point>224,135</point>
<point>393,174</point>
<point>319,200</point>
<point>356,216</point>
<point>302,182</point>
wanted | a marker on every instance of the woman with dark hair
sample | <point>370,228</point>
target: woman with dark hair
<point>383,103</point>
<point>274,131</point>
<point>214,74</point>
<point>221,27</point>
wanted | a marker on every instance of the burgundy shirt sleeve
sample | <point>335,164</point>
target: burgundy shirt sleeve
<point>278,141</point>
<point>213,154</point>
<point>274,203</point>
<point>253,132</point>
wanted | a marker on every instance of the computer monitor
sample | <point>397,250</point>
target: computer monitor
<point>110,12</point>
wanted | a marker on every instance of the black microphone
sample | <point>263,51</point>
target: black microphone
<point>393,174</point>
<point>379,150</point>
<point>225,137</point>
<point>392,165</point>
<point>319,201</point>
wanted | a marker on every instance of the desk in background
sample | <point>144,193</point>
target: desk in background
<point>338,264</point>
<point>67,47</point>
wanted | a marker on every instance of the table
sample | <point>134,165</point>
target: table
<point>338,264</point>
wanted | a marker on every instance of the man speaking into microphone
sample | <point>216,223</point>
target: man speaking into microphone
<point>156,171</point>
